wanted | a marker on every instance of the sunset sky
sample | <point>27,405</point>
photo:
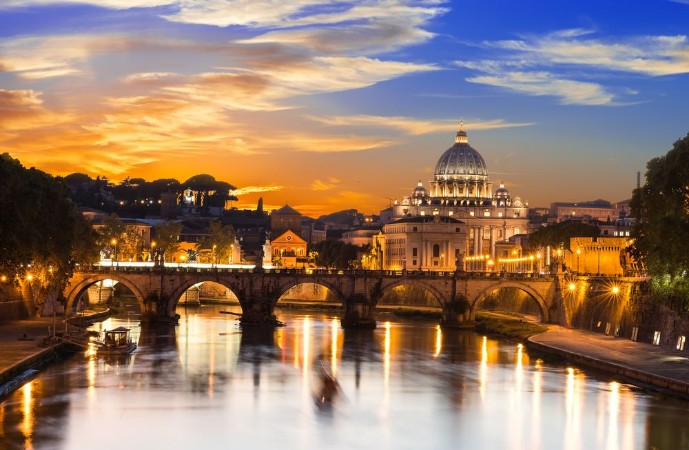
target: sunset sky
<point>334,105</point>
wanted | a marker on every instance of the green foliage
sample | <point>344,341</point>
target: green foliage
<point>167,238</point>
<point>42,234</point>
<point>336,255</point>
<point>217,245</point>
<point>661,207</point>
<point>560,233</point>
<point>499,324</point>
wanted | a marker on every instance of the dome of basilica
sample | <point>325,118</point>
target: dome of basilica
<point>461,162</point>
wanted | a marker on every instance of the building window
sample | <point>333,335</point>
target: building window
<point>656,338</point>
<point>450,213</point>
<point>414,251</point>
<point>471,213</point>
<point>457,230</point>
<point>414,262</point>
<point>486,213</point>
<point>415,229</point>
<point>500,214</point>
<point>436,251</point>
<point>680,343</point>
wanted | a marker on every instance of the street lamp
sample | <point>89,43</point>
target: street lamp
<point>113,242</point>
<point>152,256</point>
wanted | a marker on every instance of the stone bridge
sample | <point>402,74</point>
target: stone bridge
<point>459,294</point>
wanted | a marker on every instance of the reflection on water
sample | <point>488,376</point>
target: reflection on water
<point>208,384</point>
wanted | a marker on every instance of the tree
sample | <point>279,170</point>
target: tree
<point>217,245</point>
<point>43,236</point>
<point>167,238</point>
<point>209,191</point>
<point>559,234</point>
<point>661,207</point>
<point>336,254</point>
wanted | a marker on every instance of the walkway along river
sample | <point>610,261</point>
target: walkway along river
<point>207,384</point>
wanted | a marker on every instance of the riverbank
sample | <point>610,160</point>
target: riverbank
<point>24,345</point>
<point>28,344</point>
<point>643,364</point>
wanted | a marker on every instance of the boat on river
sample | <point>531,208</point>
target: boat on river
<point>115,342</point>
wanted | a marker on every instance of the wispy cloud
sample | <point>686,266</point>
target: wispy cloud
<point>649,55</point>
<point>329,184</point>
<point>114,4</point>
<point>551,64</point>
<point>412,126</point>
<point>544,83</point>
<point>256,189</point>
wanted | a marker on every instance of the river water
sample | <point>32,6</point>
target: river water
<point>205,384</point>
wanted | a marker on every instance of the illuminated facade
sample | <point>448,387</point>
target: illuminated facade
<point>461,190</point>
<point>608,256</point>
<point>423,243</point>
<point>288,250</point>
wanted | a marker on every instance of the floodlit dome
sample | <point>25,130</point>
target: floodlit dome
<point>461,161</point>
<point>419,191</point>
<point>502,192</point>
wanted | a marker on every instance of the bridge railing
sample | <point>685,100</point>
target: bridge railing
<point>311,272</point>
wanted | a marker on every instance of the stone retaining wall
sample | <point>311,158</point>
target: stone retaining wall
<point>680,388</point>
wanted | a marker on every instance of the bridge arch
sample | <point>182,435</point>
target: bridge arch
<point>181,288</point>
<point>437,294</point>
<point>476,303</point>
<point>289,284</point>
<point>76,291</point>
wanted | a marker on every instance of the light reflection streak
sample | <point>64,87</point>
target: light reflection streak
<point>211,361</point>
<point>572,435</point>
<point>91,378</point>
<point>536,406</point>
<point>333,347</point>
<point>438,341</point>
<point>386,360</point>
<point>2,419</point>
<point>297,351</point>
<point>306,341</point>
<point>483,371</point>
<point>28,417</point>
<point>613,416</point>
<point>520,367</point>
<point>628,412</point>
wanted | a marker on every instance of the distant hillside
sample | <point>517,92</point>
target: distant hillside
<point>347,217</point>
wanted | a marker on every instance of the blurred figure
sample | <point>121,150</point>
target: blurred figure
<point>328,388</point>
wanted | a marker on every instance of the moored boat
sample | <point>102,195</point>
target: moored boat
<point>115,342</point>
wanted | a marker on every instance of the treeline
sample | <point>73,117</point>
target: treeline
<point>43,236</point>
<point>336,254</point>
<point>661,207</point>
<point>136,197</point>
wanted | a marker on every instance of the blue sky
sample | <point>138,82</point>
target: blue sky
<point>332,105</point>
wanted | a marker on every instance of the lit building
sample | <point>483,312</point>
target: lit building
<point>283,219</point>
<point>608,256</point>
<point>288,250</point>
<point>600,210</point>
<point>423,243</point>
<point>461,190</point>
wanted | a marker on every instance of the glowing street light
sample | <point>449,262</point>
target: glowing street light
<point>615,290</point>
<point>572,287</point>
<point>113,242</point>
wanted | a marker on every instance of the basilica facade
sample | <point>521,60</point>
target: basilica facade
<point>460,190</point>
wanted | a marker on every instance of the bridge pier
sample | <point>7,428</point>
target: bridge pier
<point>358,313</point>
